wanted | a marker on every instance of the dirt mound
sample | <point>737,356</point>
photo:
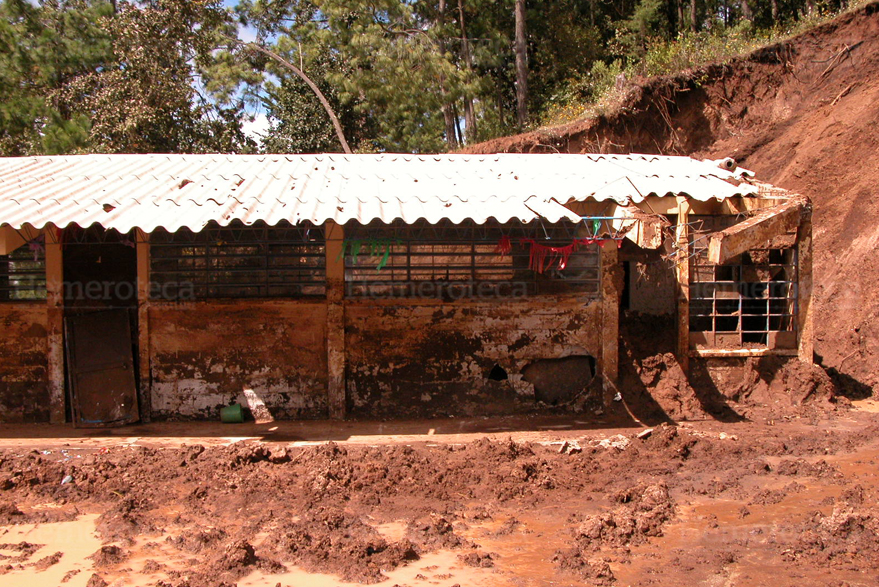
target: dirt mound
<point>10,514</point>
<point>661,375</point>
<point>774,380</point>
<point>642,511</point>
<point>109,555</point>
<point>596,572</point>
<point>330,539</point>
<point>655,388</point>
<point>804,115</point>
<point>847,535</point>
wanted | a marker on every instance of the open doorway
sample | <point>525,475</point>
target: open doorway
<point>100,325</point>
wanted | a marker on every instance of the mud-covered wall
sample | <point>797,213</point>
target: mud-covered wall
<point>432,358</point>
<point>205,355</point>
<point>651,287</point>
<point>24,392</point>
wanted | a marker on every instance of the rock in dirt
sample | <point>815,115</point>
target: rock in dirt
<point>570,447</point>
<point>617,441</point>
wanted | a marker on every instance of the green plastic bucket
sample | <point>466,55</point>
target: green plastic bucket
<point>232,414</point>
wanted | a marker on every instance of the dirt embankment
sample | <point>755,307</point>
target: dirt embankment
<point>802,114</point>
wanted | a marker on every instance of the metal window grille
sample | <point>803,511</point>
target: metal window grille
<point>449,260</point>
<point>23,275</point>
<point>238,261</point>
<point>748,301</point>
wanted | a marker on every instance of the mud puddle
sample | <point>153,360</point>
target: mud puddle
<point>30,567</point>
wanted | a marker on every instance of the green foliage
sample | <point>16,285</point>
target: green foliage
<point>644,48</point>
<point>42,48</point>
<point>77,76</point>
<point>402,75</point>
<point>146,101</point>
<point>691,50</point>
<point>582,96</point>
<point>649,23</point>
<point>299,123</point>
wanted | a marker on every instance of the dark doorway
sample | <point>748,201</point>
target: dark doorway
<point>100,315</point>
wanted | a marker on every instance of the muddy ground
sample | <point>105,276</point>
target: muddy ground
<point>787,497</point>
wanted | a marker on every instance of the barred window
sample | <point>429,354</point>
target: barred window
<point>449,260</point>
<point>23,274</point>
<point>238,261</point>
<point>749,301</point>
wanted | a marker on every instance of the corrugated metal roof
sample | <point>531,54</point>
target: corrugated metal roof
<point>173,191</point>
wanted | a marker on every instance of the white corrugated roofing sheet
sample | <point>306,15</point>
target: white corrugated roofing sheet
<point>174,191</point>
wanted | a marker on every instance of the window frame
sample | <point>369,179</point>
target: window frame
<point>486,273</point>
<point>721,294</point>
<point>25,264</point>
<point>238,261</point>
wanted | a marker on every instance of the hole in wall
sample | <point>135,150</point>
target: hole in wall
<point>557,381</point>
<point>498,373</point>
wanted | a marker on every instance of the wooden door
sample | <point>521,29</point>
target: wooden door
<point>100,369</point>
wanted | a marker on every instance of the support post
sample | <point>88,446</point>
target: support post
<point>335,286</point>
<point>55,324</point>
<point>682,245</point>
<point>610,318</point>
<point>805,343</point>
<point>143,325</point>
<point>755,231</point>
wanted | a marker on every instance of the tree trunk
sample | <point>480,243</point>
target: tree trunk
<point>774,5</point>
<point>694,16</point>
<point>747,11</point>
<point>682,16</point>
<point>448,114</point>
<point>501,111</point>
<point>469,114</point>
<point>521,66</point>
<point>457,120</point>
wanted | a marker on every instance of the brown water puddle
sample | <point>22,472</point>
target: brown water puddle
<point>76,540</point>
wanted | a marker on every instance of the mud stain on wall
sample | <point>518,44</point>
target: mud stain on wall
<point>434,359</point>
<point>24,385</point>
<point>204,356</point>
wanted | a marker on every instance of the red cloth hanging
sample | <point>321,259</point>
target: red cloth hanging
<point>537,260</point>
<point>504,246</point>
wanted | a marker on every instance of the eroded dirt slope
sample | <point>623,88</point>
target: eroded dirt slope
<point>804,115</point>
